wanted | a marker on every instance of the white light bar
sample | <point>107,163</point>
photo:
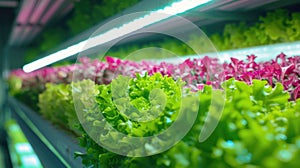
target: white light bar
<point>62,54</point>
<point>263,53</point>
<point>152,17</point>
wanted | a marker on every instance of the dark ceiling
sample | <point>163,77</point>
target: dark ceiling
<point>33,16</point>
<point>21,21</point>
<point>7,14</point>
<point>6,21</point>
<point>27,18</point>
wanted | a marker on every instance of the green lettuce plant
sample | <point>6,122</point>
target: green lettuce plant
<point>258,128</point>
<point>57,105</point>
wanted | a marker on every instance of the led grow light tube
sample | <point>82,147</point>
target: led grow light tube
<point>263,53</point>
<point>152,17</point>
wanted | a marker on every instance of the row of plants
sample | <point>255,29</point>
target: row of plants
<point>195,72</point>
<point>275,27</point>
<point>258,126</point>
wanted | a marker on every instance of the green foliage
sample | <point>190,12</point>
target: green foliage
<point>25,95</point>
<point>31,54</point>
<point>29,97</point>
<point>255,35</point>
<point>234,35</point>
<point>15,85</point>
<point>259,127</point>
<point>55,101</point>
<point>51,38</point>
<point>253,128</point>
<point>276,27</point>
<point>57,105</point>
<point>293,31</point>
<point>89,13</point>
<point>146,96</point>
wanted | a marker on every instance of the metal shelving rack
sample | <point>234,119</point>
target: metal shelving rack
<point>54,147</point>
